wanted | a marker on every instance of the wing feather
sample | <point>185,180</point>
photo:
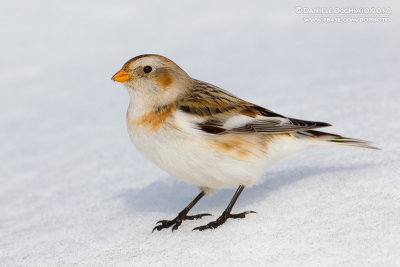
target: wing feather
<point>222,112</point>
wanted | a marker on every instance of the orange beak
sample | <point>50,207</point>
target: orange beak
<point>121,76</point>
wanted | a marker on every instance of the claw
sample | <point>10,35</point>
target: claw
<point>240,215</point>
<point>222,219</point>
<point>199,228</point>
<point>175,223</point>
<point>175,227</point>
<point>155,229</point>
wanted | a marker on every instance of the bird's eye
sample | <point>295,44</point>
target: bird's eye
<point>147,69</point>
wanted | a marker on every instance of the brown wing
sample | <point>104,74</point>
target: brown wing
<point>216,107</point>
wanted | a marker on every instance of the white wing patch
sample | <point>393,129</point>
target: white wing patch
<point>239,121</point>
<point>187,122</point>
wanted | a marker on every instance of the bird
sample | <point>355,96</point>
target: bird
<point>206,136</point>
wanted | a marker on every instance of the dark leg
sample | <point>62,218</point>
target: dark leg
<point>182,216</point>
<point>226,214</point>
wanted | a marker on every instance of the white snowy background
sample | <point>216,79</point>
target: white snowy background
<point>74,190</point>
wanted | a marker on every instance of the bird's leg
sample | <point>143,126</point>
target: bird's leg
<point>226,214</point>
<point>182,216</point>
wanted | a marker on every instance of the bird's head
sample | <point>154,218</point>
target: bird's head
<point>153,78</point>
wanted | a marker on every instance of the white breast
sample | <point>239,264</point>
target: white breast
<point>190,155</point>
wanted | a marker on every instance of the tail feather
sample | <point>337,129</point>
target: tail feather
<point>334,139</point>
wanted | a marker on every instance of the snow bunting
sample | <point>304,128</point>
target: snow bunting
<point>205,135</point>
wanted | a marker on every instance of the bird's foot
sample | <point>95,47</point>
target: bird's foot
<point>222,219</point>
<point>175,223</point>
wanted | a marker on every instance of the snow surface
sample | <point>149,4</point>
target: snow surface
<point>74,191</point>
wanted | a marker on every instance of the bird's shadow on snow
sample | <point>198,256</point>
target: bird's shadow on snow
<point>173,195</point>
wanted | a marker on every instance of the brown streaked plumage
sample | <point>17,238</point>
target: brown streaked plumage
<point>216,106</point>
<point>208,100</point>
